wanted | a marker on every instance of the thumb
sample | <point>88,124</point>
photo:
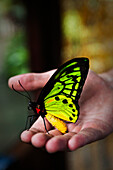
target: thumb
<point>30,81</point>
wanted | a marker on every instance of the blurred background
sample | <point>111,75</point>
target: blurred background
<point>38,36</point>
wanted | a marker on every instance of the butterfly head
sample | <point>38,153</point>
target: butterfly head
<point>33,106</point>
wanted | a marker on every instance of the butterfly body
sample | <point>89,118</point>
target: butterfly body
<point>56,122</point>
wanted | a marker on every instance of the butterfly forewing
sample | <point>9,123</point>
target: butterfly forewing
<point>60,95</point>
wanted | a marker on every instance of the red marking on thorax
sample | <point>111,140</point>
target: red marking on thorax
<point>38,110</point>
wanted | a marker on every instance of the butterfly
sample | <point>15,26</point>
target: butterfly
<point>58,100</point>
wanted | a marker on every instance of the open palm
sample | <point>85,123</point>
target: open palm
<point>94,123</point>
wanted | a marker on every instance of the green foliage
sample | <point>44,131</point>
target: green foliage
<point>17,56</point>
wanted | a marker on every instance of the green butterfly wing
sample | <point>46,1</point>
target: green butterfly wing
<point>62,107</point>
<point>60,95</point>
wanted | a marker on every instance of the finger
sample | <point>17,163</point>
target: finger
<point>58,143</point>
<point>55,132</point>
<point>26,136</point>
<point>37,127</point>
<point>39,140</point>
<point>84,137</point>
<point>30,81</point>
<point>36,137</point>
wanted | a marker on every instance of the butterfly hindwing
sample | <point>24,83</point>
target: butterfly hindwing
<point>60,95</point>
<point>62,107</point>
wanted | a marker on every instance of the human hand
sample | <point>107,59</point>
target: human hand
<point>94,123</point>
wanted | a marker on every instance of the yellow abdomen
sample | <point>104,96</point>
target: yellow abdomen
<point>57,123</point>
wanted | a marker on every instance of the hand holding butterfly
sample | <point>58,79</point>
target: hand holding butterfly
<point>96,113</point>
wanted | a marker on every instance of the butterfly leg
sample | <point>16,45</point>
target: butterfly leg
<point>45,125</point>
<point>30,121</point>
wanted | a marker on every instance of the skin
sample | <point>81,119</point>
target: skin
<point>96,113</point>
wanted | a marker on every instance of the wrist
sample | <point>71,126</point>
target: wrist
<point>108,77</point>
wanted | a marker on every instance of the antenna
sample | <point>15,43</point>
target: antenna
<point>27,96</point>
